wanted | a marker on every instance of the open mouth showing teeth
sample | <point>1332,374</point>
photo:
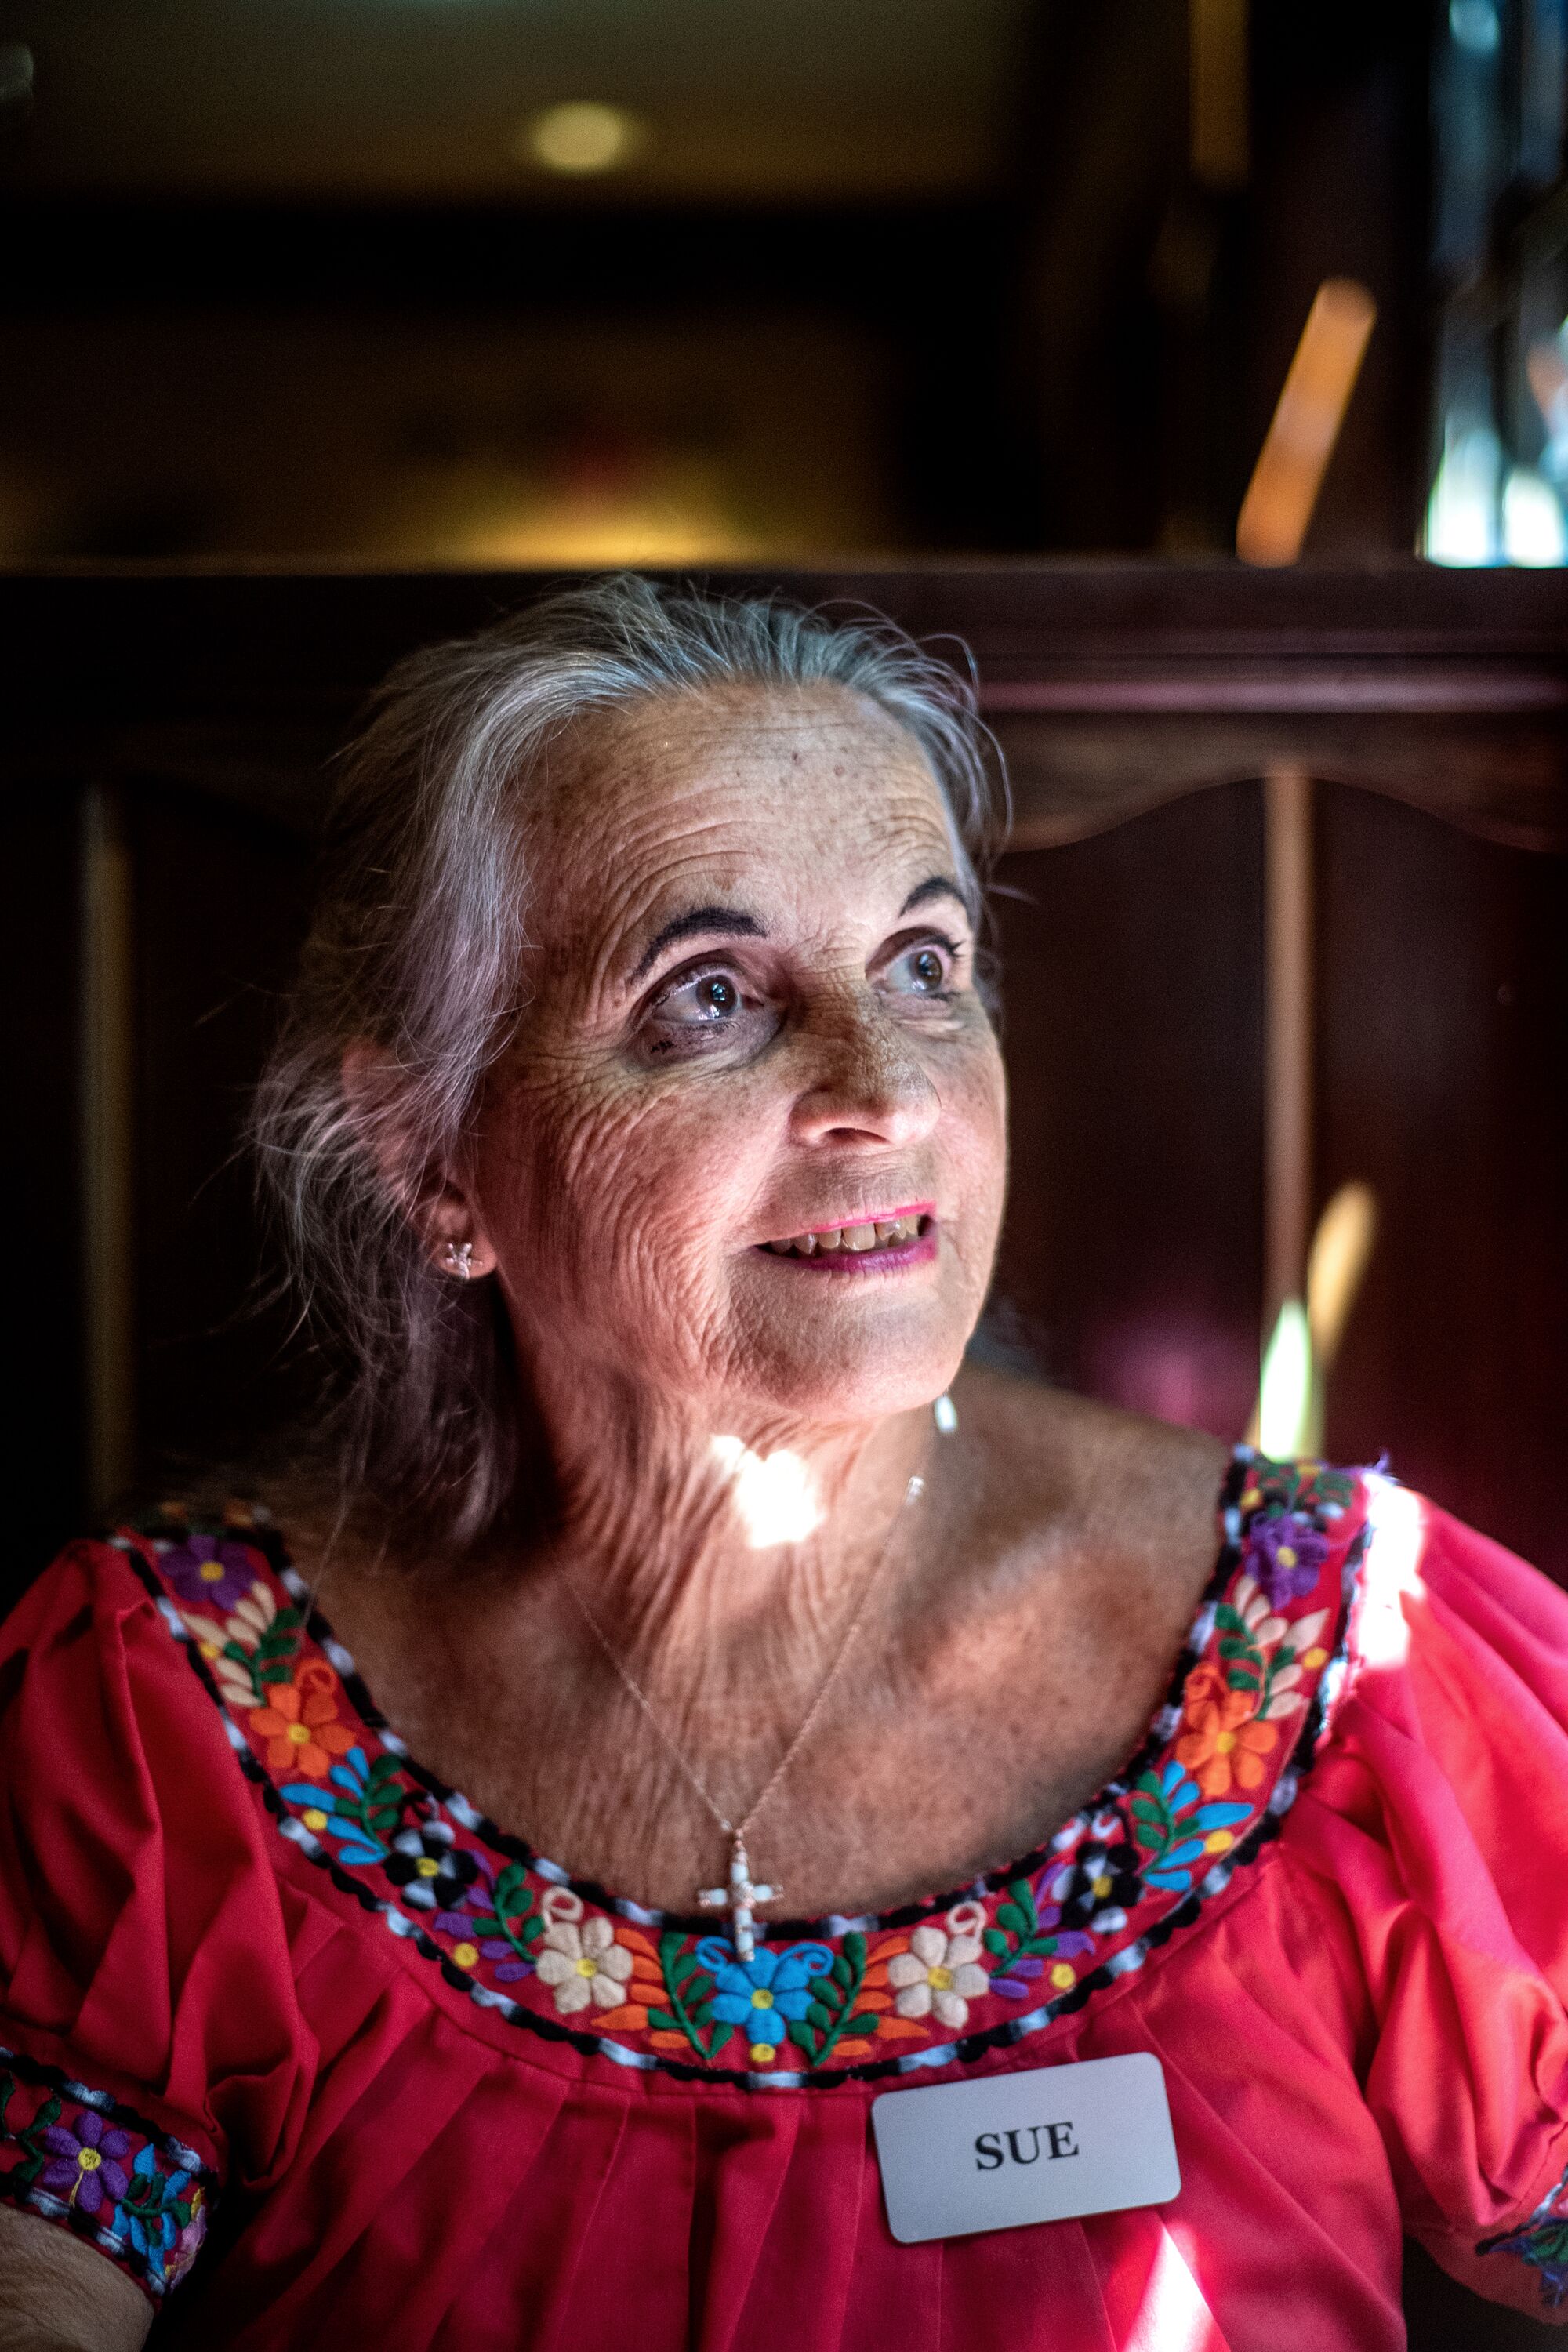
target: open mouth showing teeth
<point>857,1240</point>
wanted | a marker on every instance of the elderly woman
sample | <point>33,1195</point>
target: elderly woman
<point>640,1121</point>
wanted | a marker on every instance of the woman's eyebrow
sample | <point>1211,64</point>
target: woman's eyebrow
<point>702,922</point>
<point>935,886</point>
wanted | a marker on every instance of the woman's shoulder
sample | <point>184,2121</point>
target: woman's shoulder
<point>1064,1476</point>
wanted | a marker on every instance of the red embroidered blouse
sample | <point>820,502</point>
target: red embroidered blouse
<point>290,2029</point>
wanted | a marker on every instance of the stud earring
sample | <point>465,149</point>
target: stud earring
<point>944,1412</point>
<point>460,1257</point>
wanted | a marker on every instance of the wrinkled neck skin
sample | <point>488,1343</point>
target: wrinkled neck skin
<point>729,1557</point>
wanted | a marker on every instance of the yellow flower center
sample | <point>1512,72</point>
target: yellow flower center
<point>88,2158</point>
<point>1218,1841</point>
<point>762,1998</point>
<point>1224,1743</point>
<point>1252,1497</point>
<point>1287,1556</point>
<point>209,1651</point>
<point>1062,1976</point>
<point>762,2053</point>
<point>1100,1886</point>
<point>940,1979</point>
<point>466,1955</point>
<point>298,1734</point>
<point>1315,1658</point>
<point>314,1818</point>
<point>211,1572</point>
<point>586,1967</point>
<point>424,1867</point>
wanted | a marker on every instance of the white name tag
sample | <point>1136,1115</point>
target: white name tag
<point>1093,2138</point>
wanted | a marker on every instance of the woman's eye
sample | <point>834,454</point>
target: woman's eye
<point>714,997</point>
<point>920,971</point>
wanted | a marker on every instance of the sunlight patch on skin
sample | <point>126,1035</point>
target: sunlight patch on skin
<point>776,1494</point>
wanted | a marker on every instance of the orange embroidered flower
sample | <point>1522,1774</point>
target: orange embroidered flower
<point>1223,1740</point>
<point>300,1726</point>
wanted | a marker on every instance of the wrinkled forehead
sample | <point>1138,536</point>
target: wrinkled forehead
<point>807,790</point>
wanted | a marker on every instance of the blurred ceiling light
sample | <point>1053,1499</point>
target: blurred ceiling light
<point>1218,137</point>
<point>1474,25</point>
<point>1294,457</point>
<point>15,72</point>
<point>580,137</point>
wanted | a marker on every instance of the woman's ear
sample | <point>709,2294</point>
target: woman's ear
<point>436,1202</point>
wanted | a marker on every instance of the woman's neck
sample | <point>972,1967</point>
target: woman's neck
<point>721,1558</point>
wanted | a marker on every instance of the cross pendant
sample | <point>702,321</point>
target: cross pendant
<point>739,1898</point>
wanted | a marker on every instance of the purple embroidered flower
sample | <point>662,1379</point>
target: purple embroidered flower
<point>1286,1555</point>
<point>86,2163</point>
<point>207,1574</point>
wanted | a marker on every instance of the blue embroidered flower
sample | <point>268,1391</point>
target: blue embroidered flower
<point>1171,1834</point>
<point>763,1994</point>
<point>362,1812</point>
<point>164,2224</point>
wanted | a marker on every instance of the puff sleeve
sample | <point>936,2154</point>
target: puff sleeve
<point>150,2045</point>
<point>1436,1824</point>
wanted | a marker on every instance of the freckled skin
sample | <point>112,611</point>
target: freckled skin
<point>640,1139</point>
<point>626,1169</point>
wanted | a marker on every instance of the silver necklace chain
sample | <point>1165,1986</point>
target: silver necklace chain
<point>742,1892</point>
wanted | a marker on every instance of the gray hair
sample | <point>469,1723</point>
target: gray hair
<point>413,953</point>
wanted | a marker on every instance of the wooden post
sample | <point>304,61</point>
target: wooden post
<point>1287,1032</point>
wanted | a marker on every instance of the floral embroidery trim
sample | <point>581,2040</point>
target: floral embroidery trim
<point>1542,2242</point>
<point>75,2156</point>
<point>820,2001</point>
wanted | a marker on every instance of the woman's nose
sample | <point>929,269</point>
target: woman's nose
<point>867,1084</point>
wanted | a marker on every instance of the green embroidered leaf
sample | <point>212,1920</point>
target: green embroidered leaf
<point>532,1929</point>
<point>1038,1943</point>
<point>720,2035</point>
<point>513,1895</point>
<point>822,2019</point>
<point>855,1951</point>
<point>1234,1647</point>
<point>699,2012</point>
<point>385,1768</point>
<point>682,1967</point>
<point>383,1818</point>
<point>1023,1895</point>
<point>273,1670</point>
<point>1008,1915</point>
<point>828,1990</point>
<point>863,2021</point>
<point>487,1924</point>
<point>1229,1620</point>
<point>662,2022</point>
<point>842,1972</point>
<point>801,2034</point>
<point>47,2114</point>
<point>1241,1678</point>
<point>997,1943</point>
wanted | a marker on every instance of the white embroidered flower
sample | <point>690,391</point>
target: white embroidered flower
<point>249,1620</point>
<point>938,1972</point>
<point>583,1964</point>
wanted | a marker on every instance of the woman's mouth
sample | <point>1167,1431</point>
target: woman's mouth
<point>873,1245</point>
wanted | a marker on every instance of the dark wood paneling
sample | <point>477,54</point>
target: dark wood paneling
<point>1132,972</point>
<point>40,945</point>
<point>220,907</point>
<point>1443,1082</point>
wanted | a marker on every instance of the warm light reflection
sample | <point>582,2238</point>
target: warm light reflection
<point>776,1494</point>
<point>580,138</point>
<point>1283,491</point>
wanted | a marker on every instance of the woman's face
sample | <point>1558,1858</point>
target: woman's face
<point>751,1016</point>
